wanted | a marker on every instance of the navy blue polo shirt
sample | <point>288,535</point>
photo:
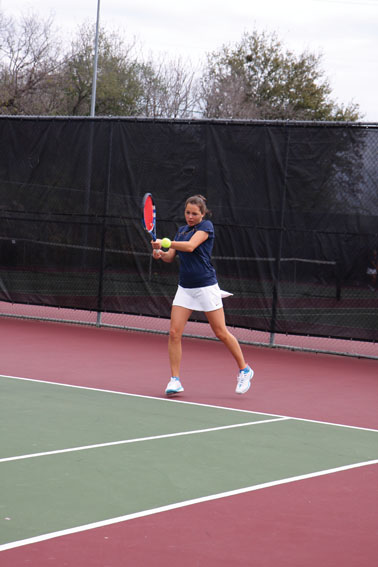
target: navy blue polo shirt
<point>196,269</point>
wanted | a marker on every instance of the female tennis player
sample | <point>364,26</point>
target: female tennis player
<point>198,290</point>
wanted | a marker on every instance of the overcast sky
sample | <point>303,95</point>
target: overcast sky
<point>345,32</point>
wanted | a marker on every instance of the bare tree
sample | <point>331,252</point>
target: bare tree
<point>225,97</point>
<point>29,58</point>
<point>170,89</point>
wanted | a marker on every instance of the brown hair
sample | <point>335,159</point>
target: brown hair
<point>200,201</point>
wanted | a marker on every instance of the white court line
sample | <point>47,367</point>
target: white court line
<point>177,505</point>
<point>179,401</point>
<point>139,440</point>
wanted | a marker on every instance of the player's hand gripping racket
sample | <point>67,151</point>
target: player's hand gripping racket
<point>149,215</point>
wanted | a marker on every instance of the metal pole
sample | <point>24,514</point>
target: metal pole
<point>94,81</point>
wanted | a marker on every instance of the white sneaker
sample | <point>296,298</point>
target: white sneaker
<point>244,381</point>
<point>174,386</point>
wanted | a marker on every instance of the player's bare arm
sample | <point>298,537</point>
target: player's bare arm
<point>185,246</point>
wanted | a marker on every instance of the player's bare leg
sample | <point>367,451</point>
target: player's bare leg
<point>179,318</point>
<point>218,324</point>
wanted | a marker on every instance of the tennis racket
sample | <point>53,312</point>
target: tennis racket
<point>149,215</point>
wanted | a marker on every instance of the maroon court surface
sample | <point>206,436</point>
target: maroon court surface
<point>330,520</point>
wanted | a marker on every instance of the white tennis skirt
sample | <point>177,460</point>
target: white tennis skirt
<point>207,298</point>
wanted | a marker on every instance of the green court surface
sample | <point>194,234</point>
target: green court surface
<point>73,456</point>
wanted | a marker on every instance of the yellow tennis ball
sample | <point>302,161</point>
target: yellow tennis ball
<point>166,243</point>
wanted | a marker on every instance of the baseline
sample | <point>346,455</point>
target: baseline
<point>185,402</point>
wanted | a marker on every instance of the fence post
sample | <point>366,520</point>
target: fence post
<point>277,264</point>
<point>104,229</point>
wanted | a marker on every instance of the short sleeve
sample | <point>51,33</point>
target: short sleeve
<point>207,226</point>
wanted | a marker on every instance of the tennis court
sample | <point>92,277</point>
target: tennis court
<point>98,467</point>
